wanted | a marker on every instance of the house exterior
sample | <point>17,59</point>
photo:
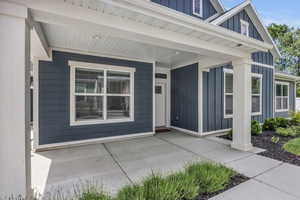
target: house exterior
<point>111,70</point>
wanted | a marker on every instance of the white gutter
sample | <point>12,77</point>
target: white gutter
<point>280,75</point>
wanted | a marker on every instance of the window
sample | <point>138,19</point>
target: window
<point>256,93</point>
<point>100,93</point>
<point>282,96</point>
<point>244,28</point>
<point>228,93</point>
<point>198,7</point>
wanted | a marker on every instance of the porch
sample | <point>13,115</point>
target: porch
<point>113,165</point>
<point>125,32</point>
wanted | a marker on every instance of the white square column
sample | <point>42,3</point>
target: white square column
<point>14,101</point>
<point>242,104</point>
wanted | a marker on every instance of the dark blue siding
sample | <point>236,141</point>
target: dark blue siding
<point>213,98</point>
<point>263,57</point>
<point>184,97</point>
<point>234,24</point>
<point>54,101</point>
<point>186,6</point>
<point>292,103</point>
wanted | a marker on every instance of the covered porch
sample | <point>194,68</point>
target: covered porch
<point>138,31</point>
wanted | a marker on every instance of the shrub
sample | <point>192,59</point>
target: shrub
<point>94,195</point>
<point>270,124</point>
<point>283,122</point>
<point>256,128</point>
<point>157,188</point>
<point>273,123</point>
<point>285,132</point>
<point>275,139</point>
<point>186,185</point>
<point>210,177</point>
<point>131,192</point>
<point>295,118</point>
<point>293,146</point>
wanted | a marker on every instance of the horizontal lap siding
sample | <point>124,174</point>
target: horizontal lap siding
<point>213,98</point>
<point>186,6</point>
<point>184,97</point>
<point>292,99</point>
<point>54,101</point>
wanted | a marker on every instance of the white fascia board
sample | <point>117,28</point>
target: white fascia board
<point>287,77</point>
<point>250,9</point>
<point>149,9</point>
<point>230,13</point>
<point>218,6</point>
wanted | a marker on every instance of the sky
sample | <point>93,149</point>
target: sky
<point>274,11</point>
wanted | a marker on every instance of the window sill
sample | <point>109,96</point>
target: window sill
<point>281,111</point>
<point>231,116</point>
<point>96,122</point>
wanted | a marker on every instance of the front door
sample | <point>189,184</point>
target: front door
<point>160,105</point>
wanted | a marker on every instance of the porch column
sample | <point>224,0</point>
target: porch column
<point>14,101</point>
<point>242,104</point>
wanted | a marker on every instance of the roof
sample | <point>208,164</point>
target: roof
<point>251,11</point>
<point>286,76</point>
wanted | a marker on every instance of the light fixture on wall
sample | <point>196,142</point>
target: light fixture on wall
<point>97,37</point>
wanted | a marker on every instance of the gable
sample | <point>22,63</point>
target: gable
<point>186,6</point>
<point>234,24</point>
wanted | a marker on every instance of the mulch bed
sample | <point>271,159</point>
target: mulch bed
<point>273,150</point>
<point>235,180</point>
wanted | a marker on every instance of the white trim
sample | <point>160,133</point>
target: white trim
<point>230,71</point>
<point>35,103</point>
<point>200,8</point>
<point>243,22</point>
<point>212,17</point>
<point>216,132</point>
<point>61,145</point>
<point>83,65</point>
<point>262,65</point>
<point>91,53</point>
<point>153,96</point>
<point>193,133</point>
<point>200,99</point>
<point>287,77</point>
<point>288,96</point>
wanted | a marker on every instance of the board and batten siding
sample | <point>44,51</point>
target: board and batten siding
<point>186,6</point>
<point>292,99</point>
<point>184,97</point>
<point>213,98</point>
<point>234,24</point>
<point>54,101</point>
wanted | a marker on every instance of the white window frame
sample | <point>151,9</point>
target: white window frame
<point>83,65</point>
<point>243,22</point>
<point>260,76</point>
<point>288,96</point>
<point>200,7</point>
<point>226,71</point>
<point>230,71</point>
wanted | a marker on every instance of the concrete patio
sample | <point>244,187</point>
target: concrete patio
<point>113,165</point>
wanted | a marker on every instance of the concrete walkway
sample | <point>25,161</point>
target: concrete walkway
<point>113,165</point>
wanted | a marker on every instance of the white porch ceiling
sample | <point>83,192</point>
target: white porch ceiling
<point>79,40</point>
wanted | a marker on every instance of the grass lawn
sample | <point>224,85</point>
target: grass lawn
<point>293,146</point>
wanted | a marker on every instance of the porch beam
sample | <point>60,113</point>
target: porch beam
<point>15,107</point>
<point>60,13</point>
<point>242,104</point>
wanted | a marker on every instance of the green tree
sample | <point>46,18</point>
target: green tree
<point>288,41</point>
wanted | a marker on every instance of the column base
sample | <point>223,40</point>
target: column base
<point>242,147</point>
